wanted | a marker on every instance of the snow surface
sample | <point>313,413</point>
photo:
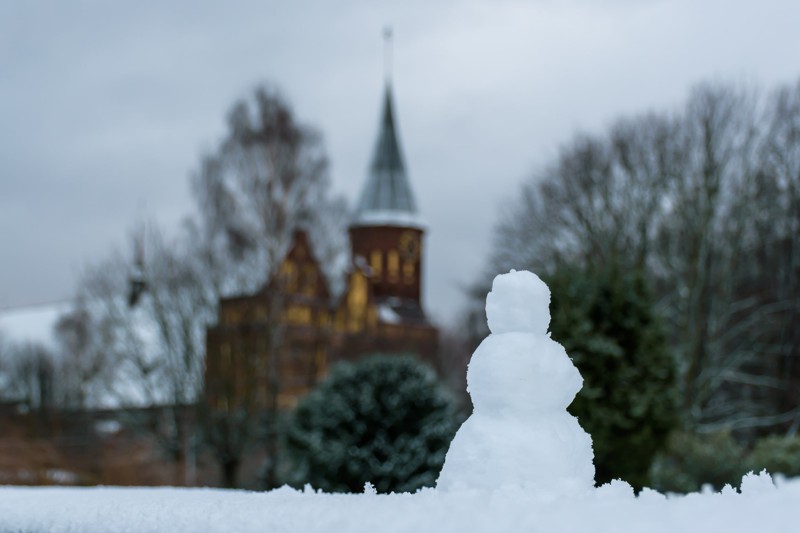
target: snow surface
<point>611,508</point>
<point>389,217</point>
<point>521,382</point>
<point>388,315</point>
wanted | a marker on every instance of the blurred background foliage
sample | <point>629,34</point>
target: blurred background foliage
<point>692,460</point>
<point>695,215</point>
<point>717,459</point>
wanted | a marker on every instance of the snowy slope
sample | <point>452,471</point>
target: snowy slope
<point>33,324</point>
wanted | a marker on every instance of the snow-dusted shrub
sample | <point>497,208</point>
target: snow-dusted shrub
<point>778,454</point>
<point>693,460</point>
<point>383,420</point>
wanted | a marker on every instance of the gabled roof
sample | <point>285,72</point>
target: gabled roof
<point>387,198</point>
<point>302,254</point>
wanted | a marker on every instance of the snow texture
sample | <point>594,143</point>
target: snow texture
<point>521,382</point>
<point>390,217</point>
<point>761,506</point>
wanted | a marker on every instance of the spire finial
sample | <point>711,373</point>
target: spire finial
<point>137,283</point>
<point>387,54</point>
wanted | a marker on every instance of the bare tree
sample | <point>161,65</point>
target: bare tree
<point>149,349</point>
<point>705,202</point>
<point>5,368</point>
<point>267,179</point>
<point>32,376</point>
<point>179,304</point>
<point>86,363</point>
<point>136,335</point>
<point>774,247</point>
<point>598,203</point>
<point>717,135</point>
<point>119,331</point>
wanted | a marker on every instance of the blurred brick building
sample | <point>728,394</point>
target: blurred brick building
<point>266,351</point>
<point>269,348</point>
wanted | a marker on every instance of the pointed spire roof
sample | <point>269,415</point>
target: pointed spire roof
<point>387,198</point>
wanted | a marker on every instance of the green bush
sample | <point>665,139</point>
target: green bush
<point>607,323</point>
<point>778,454</point>
<point>692,460</point>
<point>384,420</point>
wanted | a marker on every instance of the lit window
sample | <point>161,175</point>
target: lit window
<point>393,265</point>
<point>376,263</point>
<point>408,272</point>
<point>289,276</point>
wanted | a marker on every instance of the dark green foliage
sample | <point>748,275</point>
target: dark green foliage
<point>384,420</point>
<point>607,323</point>
<point>692,460</point>
<point>779,455</point>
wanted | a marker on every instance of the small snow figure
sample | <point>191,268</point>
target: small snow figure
<point>521,382</point>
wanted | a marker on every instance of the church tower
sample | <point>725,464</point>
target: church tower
<point>386,233</point>
<point>379,311</point>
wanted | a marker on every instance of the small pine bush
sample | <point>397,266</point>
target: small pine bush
<point>383,420</point>
<point>693,460</point>
<point>778,454</point>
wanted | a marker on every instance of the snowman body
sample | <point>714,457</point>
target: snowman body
<point>521,383</point>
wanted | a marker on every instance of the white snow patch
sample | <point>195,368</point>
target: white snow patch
<point>388,315</point>
<point>62,477</point>
<point>34,324</point>
<point>389,217</point>
<point>108,427</point>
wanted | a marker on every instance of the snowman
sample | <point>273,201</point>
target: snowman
<point>521,382</point>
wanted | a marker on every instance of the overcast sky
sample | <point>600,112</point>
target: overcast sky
<point>106,107</point>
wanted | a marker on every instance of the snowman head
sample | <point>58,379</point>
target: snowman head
<point>518,302</point>
<point>526,371</point>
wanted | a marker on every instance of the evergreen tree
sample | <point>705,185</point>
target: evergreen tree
<point>607,323</point>
<point>383,420</point>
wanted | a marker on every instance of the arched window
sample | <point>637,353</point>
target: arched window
<point>376,263</point>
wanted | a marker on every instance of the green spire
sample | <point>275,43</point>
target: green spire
<point>387,193</point>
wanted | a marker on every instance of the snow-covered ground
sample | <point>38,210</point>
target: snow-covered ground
<point>761,506</point>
